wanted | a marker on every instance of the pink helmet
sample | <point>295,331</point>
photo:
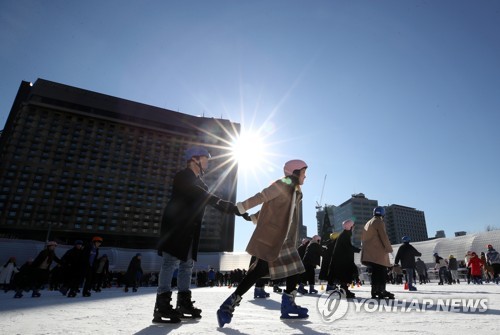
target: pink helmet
<point>294,164</point>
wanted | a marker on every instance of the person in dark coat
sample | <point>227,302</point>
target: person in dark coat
<point>342,266</point>
<point>326,259</point>
<point>312,258</point>
<point>37,274</point>
<point>180,234</point>
<point>406,254</point>
<point>134,273</point>
<point>302,277</point>
<point>91,255</point>
<point>73,267</point>
<point>101,275</point>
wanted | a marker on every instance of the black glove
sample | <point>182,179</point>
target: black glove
<point>246,216</point>
<point>236,211</point>
<point>225,206</point>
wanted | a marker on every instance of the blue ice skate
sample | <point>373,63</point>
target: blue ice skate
<point>260,293</point>
<point>289,310</point>
<point>226,310</point>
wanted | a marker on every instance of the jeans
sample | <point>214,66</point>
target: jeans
<point>409,277</point>
<point>170,263</point>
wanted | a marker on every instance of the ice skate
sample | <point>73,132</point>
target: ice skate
<point>260,293</point>
<point>277,289</point>
<point>185,306</point>
<point>312,290</point>
<point>18,295</point>
<point>163,311</point>
<point>72,294</point>
<point>289,310</point>
<point>226,310</point>
<point>36,294</point>
<point>301,289</point>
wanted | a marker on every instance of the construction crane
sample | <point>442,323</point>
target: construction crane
<point>318,204</point>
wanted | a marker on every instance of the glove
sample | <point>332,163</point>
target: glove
<point>246,216</point>
<point>225,206</point>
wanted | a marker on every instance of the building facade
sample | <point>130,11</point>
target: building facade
<point>405,221</point>
<point>76,163</point>
<point>358,208</point>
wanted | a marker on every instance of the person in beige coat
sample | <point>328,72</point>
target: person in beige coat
<point>274,241</point>
<point>375,253</point>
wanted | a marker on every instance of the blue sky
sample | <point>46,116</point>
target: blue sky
<point>398,100</point>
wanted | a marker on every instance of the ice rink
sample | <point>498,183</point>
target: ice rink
<point>433,309</point>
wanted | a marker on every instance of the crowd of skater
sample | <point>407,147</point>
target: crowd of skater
<point>277,255</point>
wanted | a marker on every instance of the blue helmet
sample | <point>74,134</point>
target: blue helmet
<point>406,239</point>
<point>379,211</point>
<point>196,152</point>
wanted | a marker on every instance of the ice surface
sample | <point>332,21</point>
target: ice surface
<point>113,311</point>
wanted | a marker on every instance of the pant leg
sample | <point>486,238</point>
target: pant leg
<point>184,275</point>
<point>256,271</point>
<point>170,263</point>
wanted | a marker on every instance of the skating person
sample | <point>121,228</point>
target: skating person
<point>493,258</point>
<point>442,266</point>
<point>421,271</point>
<point>343,269</point>
<point>91,253</point>
<point>101,273</point>
<point>134,273</point>
<point>180,235</point>
<point>73,267</point>
<point>406,254</point>
<point>312,258</point>
<point>453,267</point>
<point>274,241</point>
<point>326,263</point>
<point>303,277</point>
<point>375,253</point>
<point>475,264</point>
<point>7,272</point>
<point>37,274</point>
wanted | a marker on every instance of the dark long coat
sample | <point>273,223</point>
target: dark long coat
<point>342,266</point>
<point>182,217</point>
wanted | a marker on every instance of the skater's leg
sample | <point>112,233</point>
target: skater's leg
<point>170,263</point>
<point>257,270</point>
<point>289,309</point>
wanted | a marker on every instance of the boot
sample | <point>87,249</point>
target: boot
<point>288,307</point>
<point>259,292</point>
<point>312,290</point>
<point>348,294</point>
<point>163,309</point>
<point>36,294</point>
<point>185,305</point>
<point>277,289</point>
<point>19,294</point>
<point>330,288</point>
<point>226,310</point>
<point>72,294</point>
<point>301,289</point>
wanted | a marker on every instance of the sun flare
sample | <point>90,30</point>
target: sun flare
<point>249,151</point>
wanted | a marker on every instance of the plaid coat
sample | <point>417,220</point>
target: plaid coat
<point>275,237</point>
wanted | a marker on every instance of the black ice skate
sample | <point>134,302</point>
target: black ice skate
<point>164,312</point>
<point>185,306</point>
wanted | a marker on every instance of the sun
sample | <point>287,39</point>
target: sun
<point>249,151</point>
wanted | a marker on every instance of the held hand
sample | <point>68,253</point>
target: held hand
<point>246,217</point>
<point>225,206</point>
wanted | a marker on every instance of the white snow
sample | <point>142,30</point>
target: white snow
<point>113,311</point>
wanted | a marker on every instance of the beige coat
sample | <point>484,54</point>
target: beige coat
<point>275,237</point>
<point>375,243</point>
